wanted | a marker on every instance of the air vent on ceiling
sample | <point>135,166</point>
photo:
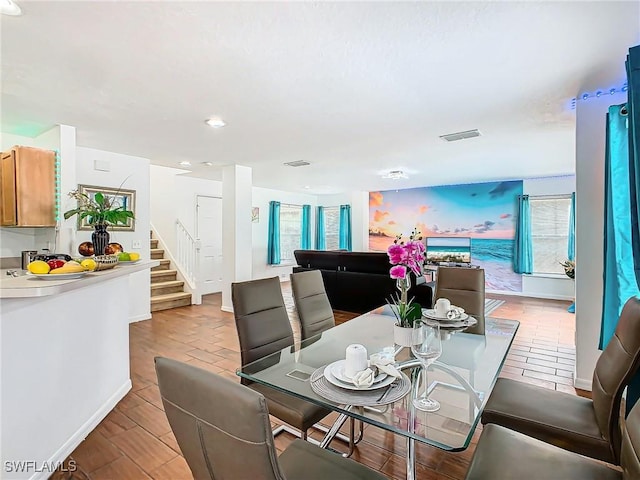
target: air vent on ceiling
<point>452,137</point>
<point>297,163</point>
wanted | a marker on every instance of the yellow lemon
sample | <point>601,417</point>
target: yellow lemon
<point>134,256</point>
<point>88,264</point>
<point>38,267</point>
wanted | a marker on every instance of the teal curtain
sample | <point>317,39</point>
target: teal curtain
<point>345,227</point>
<point>633,118</point>
<point>523,244</point>
<point>571,245</point>
<point>305,240</point>
<point>320,236</point>
<point>619,276</point>
<point>273,242</point>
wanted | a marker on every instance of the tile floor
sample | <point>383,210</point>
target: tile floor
<point>135,441</point>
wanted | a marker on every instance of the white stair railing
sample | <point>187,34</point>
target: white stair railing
<point>187,252</point>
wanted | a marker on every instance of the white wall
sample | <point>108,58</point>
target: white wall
<point>131,173</point>
<point>558,287</point>
<point>590,150</point>
<point>261,199</point>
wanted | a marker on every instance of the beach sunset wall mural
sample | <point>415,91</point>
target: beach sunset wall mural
<point>482,211</point>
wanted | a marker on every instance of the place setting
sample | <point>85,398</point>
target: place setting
<point>361,380</point>
<point>447,316</point>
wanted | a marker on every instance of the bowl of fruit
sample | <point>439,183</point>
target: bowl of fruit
<point>59,269</point>
<point>128,257</point>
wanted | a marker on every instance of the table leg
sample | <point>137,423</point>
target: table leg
<point>335,427</point>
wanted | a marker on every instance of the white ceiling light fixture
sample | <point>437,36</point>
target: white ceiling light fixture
<point>9,7</point>
<point>207,164</point>
<point>395,175</point>
<point>215,122</point>
<point>185,163</point>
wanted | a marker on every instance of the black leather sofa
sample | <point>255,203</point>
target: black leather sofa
<point>359,281</point>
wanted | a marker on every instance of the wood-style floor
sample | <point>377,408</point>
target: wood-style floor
<point>135,441</point>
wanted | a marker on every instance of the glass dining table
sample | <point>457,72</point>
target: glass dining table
<point>461,380</point>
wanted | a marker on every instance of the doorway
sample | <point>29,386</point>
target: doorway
<point>209,232</point>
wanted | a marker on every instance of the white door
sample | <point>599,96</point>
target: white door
<point>209,232</point>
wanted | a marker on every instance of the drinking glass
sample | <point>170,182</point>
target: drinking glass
<point>427,347</point>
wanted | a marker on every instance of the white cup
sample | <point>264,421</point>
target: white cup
<point>442,307</point>
<point>356,360</point>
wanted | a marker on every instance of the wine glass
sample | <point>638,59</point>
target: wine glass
<point>427,347</point>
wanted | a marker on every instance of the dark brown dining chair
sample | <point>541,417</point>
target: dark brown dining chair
<point>464,287</point>
<point>263,328</point>
<point>507,455</point>
<point>312,304</point>
<point>224,432</point>
<point>582,425</point>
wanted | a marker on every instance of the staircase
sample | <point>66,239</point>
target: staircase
<point>166,291</point>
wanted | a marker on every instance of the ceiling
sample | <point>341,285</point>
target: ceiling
<point>356,89</point>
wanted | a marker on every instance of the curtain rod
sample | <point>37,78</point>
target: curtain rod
<point>557,195</point>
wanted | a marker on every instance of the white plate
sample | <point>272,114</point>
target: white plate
<point>430,313</point>
<point>350,386</point>
<point>57,276</point>
<point>129,261</point>
<point>337,369</point>
<point>456,325</point>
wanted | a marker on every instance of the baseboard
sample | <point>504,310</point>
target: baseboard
<point>70,445</point>
<point>139,318</point>
<point>530,295</point>
<point>226,309</point>
<point>582,384</point>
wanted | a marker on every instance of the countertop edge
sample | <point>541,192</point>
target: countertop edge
<point>44,288</point>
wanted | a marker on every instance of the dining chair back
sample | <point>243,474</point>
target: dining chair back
<point>261,318</point>
<point>464,287</point>
<point>312,304</point>
<point>589,427</point>
<point>224,432</point>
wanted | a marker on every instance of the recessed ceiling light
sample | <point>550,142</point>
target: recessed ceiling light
<point>215,122</point>
<point>307,187</point>
<point>185,163</point>
<point>9,7</point>
<point>395,175</point>
<point>207,164</point>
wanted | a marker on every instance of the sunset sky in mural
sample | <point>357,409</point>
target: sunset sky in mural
<point>479,210</point>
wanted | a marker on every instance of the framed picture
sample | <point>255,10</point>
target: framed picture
<point>119,197</point>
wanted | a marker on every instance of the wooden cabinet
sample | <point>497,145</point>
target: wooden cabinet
<point>28,193</point>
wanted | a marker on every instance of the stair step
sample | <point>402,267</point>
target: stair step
<point>153,243</point>
<point>170,300</point>
<point>164,265</point>
<point>170,286</point>
<point>163,276</point>
<point>157,253</point>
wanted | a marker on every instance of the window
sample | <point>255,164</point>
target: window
<point>290,231</point>
<point>550,232</point>
<point>332,228</point>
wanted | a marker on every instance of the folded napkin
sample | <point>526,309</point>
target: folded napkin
<point>384,365</point>
<point>454,312</point>
<point>364,378</point>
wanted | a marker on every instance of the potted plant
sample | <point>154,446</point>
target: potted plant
<point>405,257</point>
<point>100,212</point>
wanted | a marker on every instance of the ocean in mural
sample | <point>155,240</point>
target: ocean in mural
<point>483,212</point>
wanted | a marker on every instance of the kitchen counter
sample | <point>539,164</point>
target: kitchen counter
<point>28,286</point>
<point>64,361</point>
